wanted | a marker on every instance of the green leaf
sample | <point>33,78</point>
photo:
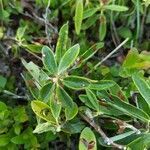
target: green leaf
<point>102,27</point>
<point>91,51</point>
<point>145,55</point>
<point>91,96</point>
<point>131,58</point>
<point>108,109</point>
<point>101,85</point>
<point>43,111</point>
<point>49,60</point>
<point>33,86</point>
<point>32,68</point>
<point>35,48</point>
<point>55,106</point>
<point>63,97</point>
<point>20,32</point>
<point>115,7</point>
<point>62,42</point>
<point>33,90</point>
<point>3,81</point>
<point>18,139</point>
<point>17,128</point>
<point>50,136</point>
<point>78,16</point>
<point>68,59</point>
<point>104,108</point>
<point>26,137</point>
<point>104,94</point>
<point>3,106</point>
<point>87,140</point>
<point>122,136</point>
<point>4,139</point>
<point>45,92</point>
<point>70,107</point>
<point>142,87</point>
<point>43,127</point>
<point>71,112</point>
<point>124,32</point>
<point>116,90</point>
<point>43,78</point>
<point>90,21</point>
<point>76,82</point>
<point>142,104</point>
<point>74,126</point>
<point>86,100</point>
<point>140,143</point>
<point>135,61</point>
<point>90,12</point>
<point>128,109</point>
<point>4,14</point>
<point>20,115</point>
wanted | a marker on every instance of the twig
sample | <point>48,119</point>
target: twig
<point>48,23</point>
<point>33,54</point>
<point>107,140</point>
<point>23,46</point>
<point>39,20</point>
<point>126,125</point>
<point>110,54</point>
<point>14,95</point>
<point>36,18</point>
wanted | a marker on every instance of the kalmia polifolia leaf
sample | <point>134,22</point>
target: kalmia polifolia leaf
<point>62,42</point>
<point>78,15</point>
<point>68,58</point>
<point>49,60</point>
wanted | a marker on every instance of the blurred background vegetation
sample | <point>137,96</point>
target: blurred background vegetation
<point>27,25</point>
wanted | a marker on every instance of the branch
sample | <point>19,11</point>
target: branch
<point>123,124</point>
<point>39,20</point>
<point>107,140</point>
<point>110,54</point>
<point>13,40</point>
